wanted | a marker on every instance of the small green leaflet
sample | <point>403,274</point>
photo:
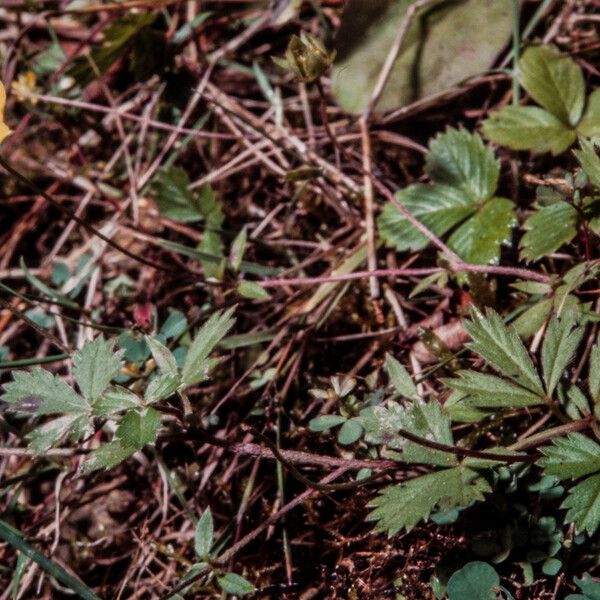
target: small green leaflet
<point>464,173</point>
<point>590,589</point>
<point>138,428</point>
<point>589,161</point>
<point>401,378</point>
<point>594,373</point>
<point>197,364</point>
<point>589,126</point>
<point>94,366</point>
<point>403,506</point>
<point>235,584</point>
<point>583,504</point>
<point>571,457</point>
<point>203,536</point>
<point>165,361</point>
<point>561,341</point>
<point>503,349</point>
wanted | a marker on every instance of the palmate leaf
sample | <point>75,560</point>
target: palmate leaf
<point>571,457</point>
<point>528,128</point>
<point>548,229</point>
<point>561,341</point>
<point>503,349</point>
<point>554,82</point>
<point>403,506</point>
<point>94,366</point>
<point>461,160</point>
<point>197,364</point>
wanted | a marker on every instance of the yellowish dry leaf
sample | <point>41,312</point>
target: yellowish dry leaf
<point>4,130</point>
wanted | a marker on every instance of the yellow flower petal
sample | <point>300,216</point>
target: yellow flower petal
<point>4,130</point>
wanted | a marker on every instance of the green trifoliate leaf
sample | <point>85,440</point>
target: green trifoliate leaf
<point>163,356</point>
<point>94,366</point>
<point>401,378</point>
<point>487,391</point>
<point>41,393</point>
<point>438,207</point>
<point>403,506</point>
<point>583,504</point>
<point>528,128</point>
<point>548,229</point>
<point>503,349</point>
<point>137,429</point>
<point>461,160</point>
<point>554,81</point>
<point>203,537</point>
<point>475,581</point>
<point>161,387</point>
<point>589,160</point>
<point>590,123</point>
<point>114,400</point>
<point>571,457</point>
<point>561,341</point>
<point>197,364</point>
<point>479,238</point>
<point>235,584</point>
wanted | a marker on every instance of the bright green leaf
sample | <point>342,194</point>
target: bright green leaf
<point>107,456</point>
<point>197,364</point>
<point>252,290</point>
<point>594,373</point>
<point>461,160</point>
<point>590,123</point>
<point>479,238</point>
<point>438,207</point>
<point>403,506</point>
<point>528,128</point>
<point>503,349</point>
<point>114,400</point>
<point>583,504</point>
<point>138,428</point>
<point>325,422</point>
<point>350,432</point>
<point>94,366</point>
<point>589,160</point>
<point>45,436</point>
<point>235,584</point>
<point>161,387</point>
<point>548,229</point>
<point>163,356</point>
<point>554,81</point>
<point>401,378</point>
<point>571,457</point>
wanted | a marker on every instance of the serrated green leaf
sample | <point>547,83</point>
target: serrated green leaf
<point>161,387</point>
<point>401,378</point>
<point>503,349</point>
<point>475,581</point>
<point>553,81</point>
<point>571,457</point>
<point>94,366</point>
<point>203,536</point>
<point>42,393</point>
<point>446,44</point>
<point>528,128</point>
<point>583,504</point>
<point>479,238</point>
<point>548,229</point>
<point>252,290</point>
<point>107,456</point>
<point>594,373</point>
<point>350,432</point>
<point>235,584</point>
<point>138,428</point>
<point>461,160</point>
<point>590,122</point>
<point>45,436</point>
<point>438,207</point>
<point>561,341</point>
<point>576,405</point>
<point>488,391</point>
<point>325,422</point>
<point>197,364</point>
<point>163,356</point>
<point>114,400</point>
<point>589,160</point>
<point>403,506</point>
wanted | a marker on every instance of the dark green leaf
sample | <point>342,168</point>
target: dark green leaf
<point>325,422</point>
<point>583,503</point>
<point>475,581</point>
<point>571,457</point>
<point>203,537</point>
<point>590,123</point>
<point>401,378</point>
<point>350,432</point>
<point>589,160</point>
<point>235,584</point>
<point>138,428</point>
